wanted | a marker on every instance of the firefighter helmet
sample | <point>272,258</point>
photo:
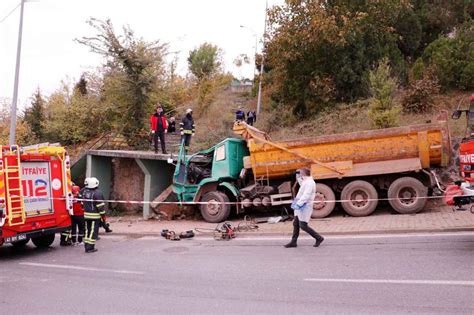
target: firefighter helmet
<point>91,182</point>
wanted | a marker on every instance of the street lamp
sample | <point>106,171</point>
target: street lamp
<point>254,34</point>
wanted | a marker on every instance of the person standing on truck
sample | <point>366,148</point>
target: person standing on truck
<point>159,126</point>
<point>77,219</point>
<point>240,114</point>
<point>303,208</point>
<point>93,210</point>
<point>251,118</point>
<point>187,128</point>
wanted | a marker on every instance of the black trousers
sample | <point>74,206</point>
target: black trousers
<point>187,140</point>
<point>161,135</point>
<point>92,231</point>
<point>297,225</point>
<point>78,227</point>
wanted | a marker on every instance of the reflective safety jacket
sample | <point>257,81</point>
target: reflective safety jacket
<point>187,125</point>
<point>93,209</point>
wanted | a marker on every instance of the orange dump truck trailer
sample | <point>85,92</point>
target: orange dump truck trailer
<point>35,194</point>
<point>356,169</point>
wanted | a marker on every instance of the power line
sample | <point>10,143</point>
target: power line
<point>1,21</point>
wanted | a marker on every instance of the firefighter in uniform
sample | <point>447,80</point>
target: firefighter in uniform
<point>93,210</point>
<point>187,128</point>
<point>77,218</point>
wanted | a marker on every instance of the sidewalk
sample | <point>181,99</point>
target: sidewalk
<point>434,218</point>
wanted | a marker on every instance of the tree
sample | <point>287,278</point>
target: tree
<point>382,111</point>
<point>319,52</point>
<point>205,61</point>
<point>137,68</point>
<point>81,86</point>
<point>34,115</point>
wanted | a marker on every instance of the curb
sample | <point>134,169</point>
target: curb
<point>274,234</point>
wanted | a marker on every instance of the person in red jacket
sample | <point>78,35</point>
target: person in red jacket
<point>159,126</point>
<point>77,218</point>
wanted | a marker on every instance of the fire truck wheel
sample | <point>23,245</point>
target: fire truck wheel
<point>21,243</point>
<point>43,241</point>
<point>359,198</point>
<point>323,193</point>
<point>216,208</point>
<point>404,195</point>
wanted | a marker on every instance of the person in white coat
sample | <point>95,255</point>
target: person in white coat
<point>303,208</point>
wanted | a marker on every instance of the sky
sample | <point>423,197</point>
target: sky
<point>50,54</point>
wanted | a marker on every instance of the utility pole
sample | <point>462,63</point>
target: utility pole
<point>17,75</point>
<point>259,99</point>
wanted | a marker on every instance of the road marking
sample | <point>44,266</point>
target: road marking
<point>389,281</point>
<point>340,237</point>
<point>130,272</point>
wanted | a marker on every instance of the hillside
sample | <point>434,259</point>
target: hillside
<point>217,123</point>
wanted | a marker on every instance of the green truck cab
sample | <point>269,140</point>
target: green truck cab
<point>211,178</point>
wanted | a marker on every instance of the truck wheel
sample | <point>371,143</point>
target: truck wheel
<point>323,193</point>
<point>404,195</point>
<point>43,241</point>
<point>21,243</point>
<point>216,209</point>
<point>359,198</point>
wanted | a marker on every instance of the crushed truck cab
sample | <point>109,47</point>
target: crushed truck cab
<point>35,194</point>
<point>211,177</point>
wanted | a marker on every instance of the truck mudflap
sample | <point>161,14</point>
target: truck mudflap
<point>32,234</point>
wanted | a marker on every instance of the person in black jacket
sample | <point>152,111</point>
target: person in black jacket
<point>187,128</point>
<point>172,125</point>
<point>93,210</point>
<point>240,114</point>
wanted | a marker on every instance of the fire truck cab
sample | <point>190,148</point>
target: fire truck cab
<point>35,194</point>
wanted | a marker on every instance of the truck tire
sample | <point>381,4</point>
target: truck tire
<point>43,241</point>
<point>323,193</point>
<point>22,243</point>
<point>217,208</point>
<point>359,193</point>
<point>404,195</point>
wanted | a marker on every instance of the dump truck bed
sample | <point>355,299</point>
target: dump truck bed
<point>373,152</point>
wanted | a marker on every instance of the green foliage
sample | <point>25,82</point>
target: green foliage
<point>136,66</point>
<point>439,18</point>
<point>318,54</point>
<point>409,30</point>
<point>452,57</point>
<point>34,115</point>
<point>205,61</point>
<point>466,79</point>
<point>419,97</point>
<point>382,111</point>
<point>418,69</point>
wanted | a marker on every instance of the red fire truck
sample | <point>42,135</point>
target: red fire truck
<point>462,193</point>
<point>35,194</point>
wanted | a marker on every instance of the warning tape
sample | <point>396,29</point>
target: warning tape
<point>288,202</point>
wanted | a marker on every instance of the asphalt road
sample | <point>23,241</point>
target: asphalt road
<point>369,275</point>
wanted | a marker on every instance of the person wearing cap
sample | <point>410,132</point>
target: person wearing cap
<point>303,208</point>
<point>159,126</point>
<point>187,128</point>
